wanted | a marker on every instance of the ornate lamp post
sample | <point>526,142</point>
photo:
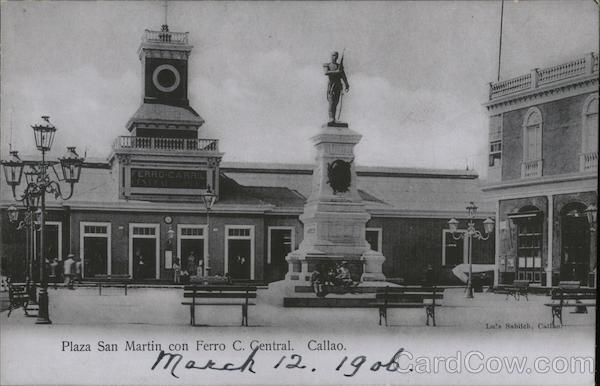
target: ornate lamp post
<point>488,226</point>
<point>30,223</point>
<point>39,182</point>
<point>209,199</point>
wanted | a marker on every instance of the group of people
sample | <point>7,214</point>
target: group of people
<point>71,271</point>
<point>328,278</point>
<point>194,267</point>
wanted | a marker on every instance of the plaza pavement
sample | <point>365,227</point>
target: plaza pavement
<point>29,351</point>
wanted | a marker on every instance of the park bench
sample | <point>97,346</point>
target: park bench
<point>517,289</point>
<point>118,280</point>
<point>18,297</point>
<point>570,291</point>
<point>219,295</point>
<point>407,297</point>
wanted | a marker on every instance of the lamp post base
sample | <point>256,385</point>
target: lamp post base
<point>469,294</point>
<point>43,315</point>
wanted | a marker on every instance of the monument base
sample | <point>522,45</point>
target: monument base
<point>365,267</point>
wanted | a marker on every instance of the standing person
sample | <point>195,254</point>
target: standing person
<point>200,267</point>
<point>68,270</point>
<point>78,271</point>
<point>336,74</point>
<point>176,271</point>
<point>191,263</point>
<point>140,265</point>
<point>54,272</point>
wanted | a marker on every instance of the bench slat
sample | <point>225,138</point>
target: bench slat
<point>222,295</point>
<point>409,289</point>
<point>574,297</point>
<point>410,296</point>
<point>403,305</point>
<point>219,288</point>
<point>574,290</point>
<point>216,304</point>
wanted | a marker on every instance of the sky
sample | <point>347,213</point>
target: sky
<point>418,72</point>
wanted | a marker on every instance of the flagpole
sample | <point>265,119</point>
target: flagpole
<point>500,45</point>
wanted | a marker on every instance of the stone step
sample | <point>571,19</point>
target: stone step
<point>329,302</point>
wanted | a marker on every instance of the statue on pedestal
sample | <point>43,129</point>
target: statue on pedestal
<point>335,73</point>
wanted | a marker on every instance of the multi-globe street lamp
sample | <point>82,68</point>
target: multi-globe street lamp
<point>38,183</point>
<point>471,232</point>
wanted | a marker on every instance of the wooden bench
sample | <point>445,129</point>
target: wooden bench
<point>570,290</point>
<point>517,289</point>
<point>408,297</point>
<point>203,295</point>
<point>18,297</point>
<point>112,281</point>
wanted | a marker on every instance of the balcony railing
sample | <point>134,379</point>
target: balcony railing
<point>589,161</point>
<point>165,37</point>
<point>510,86</point>
<point>586,65</point>
<point>531,168</point>
<point>150,143</point>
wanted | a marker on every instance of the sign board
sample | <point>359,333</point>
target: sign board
<point>168,259</point>
<point>168,178</point>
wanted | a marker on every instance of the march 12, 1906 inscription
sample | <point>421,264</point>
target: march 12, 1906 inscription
<point>168,178</point>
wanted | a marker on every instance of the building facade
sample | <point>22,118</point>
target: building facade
<point>141,209</point>
<point>543,172</point>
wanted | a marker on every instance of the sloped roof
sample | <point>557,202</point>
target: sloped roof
<point>156,112</point>
<point>408,189</point>
<point>235,194</point>
<point>288,186</point>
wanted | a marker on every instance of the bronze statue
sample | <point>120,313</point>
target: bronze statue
<point>336,74</point>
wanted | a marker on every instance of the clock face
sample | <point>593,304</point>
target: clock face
<point>166,78</point>
<point>168,220</point>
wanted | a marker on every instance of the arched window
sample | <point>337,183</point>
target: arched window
<point>532,135</point>
<point>532,144</point>
<point>589,138</point>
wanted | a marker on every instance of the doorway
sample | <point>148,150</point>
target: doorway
<point>281,242</point>
<point>575,244</point>
<point>143,251</point>
<point>192,239</point>
<point>95,249</point>
<point>239,252</point>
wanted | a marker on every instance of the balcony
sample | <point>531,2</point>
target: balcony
<point>589,162</point>
<point>166,144</point>
<point>531,169</point>
<point>165,37</point>
<point>586,65</point>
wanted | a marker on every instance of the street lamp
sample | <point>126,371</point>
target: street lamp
<point>488,227</point>
<point>39,182</point>
<point>591,212</point>
<point>209,199</point>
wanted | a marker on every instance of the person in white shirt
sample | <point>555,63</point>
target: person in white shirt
<point>68,270</point>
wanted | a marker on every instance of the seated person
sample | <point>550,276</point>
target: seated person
<point>315,282</point>
<point>343,276</point>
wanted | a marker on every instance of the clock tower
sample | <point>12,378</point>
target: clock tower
<point>165,66</point>
<point>164,158</point>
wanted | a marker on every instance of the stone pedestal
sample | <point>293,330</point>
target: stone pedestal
<point>334,216</point>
